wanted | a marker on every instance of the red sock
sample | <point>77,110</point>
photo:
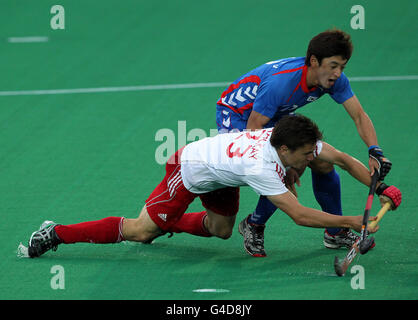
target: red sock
<point>192,223</point>
<point>107,230</point>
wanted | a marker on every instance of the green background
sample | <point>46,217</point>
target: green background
<point>79,157</point>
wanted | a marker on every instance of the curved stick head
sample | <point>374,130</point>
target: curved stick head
<point>366,245</point>
<point>338,267</point>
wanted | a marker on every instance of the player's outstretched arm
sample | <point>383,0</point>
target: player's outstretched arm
<point>359,171</point>
<point>309,217</point>
<point>362,121</point>
<point>367,132</point>
<point>346,162</point>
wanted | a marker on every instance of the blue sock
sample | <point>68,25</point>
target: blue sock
<point>327,191</point>
<point>263,211</point>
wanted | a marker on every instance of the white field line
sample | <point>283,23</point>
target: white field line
<point>27,39</point>
<point>383,78</point>
<point>211,290</point>
<point>172,86</point>
<point>115,89</point>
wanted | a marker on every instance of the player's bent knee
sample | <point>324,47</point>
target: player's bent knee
<point>141,235</point>
<point>218,225</point>
<point>141,229</point>
<point>222,233</point>
<point>134,231</point>
<point>146,238</point>
<point>224,236</point>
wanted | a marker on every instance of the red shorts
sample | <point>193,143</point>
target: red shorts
<point>170,199</point>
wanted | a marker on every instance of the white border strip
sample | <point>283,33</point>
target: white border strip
<point>27,39</point>
<point>171,87</point>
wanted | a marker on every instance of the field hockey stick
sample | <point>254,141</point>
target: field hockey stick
<point>380,214</point>
<point>341,267</point>
<point>364,242</point>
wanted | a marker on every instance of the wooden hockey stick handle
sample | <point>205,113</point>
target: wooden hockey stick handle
<point>380,214</point>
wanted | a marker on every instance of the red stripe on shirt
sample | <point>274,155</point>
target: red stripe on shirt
<point>303,81</point>
<point>233,86</point>
<point>288,71</point>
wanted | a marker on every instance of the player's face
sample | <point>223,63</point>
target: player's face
<point>329,71</point>
<point>300,157</point>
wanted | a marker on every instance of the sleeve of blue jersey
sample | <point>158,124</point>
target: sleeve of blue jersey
<point>342,89</point>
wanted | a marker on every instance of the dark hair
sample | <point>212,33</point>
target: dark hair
<point>329,43</point>
<point>294,131</point>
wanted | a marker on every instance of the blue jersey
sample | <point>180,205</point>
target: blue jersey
<point>275,89</point>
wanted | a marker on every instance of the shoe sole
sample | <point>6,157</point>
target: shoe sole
<point>332,246</point>
<point>336,246</point>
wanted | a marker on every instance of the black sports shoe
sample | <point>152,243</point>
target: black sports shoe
<point>253,238</point>
<point>43,240</point>
<point>344,238</point>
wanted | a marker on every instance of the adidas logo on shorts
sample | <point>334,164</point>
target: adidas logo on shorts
<point>163,216</point>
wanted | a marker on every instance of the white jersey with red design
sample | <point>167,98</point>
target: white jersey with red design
<point>233,160</point>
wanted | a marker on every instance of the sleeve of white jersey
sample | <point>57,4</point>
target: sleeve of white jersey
<point>266,184</point>
<point>318,148</point>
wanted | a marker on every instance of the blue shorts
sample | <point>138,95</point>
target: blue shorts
<point>229,121</point>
